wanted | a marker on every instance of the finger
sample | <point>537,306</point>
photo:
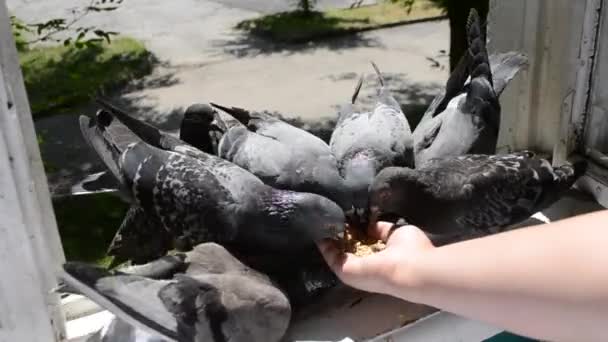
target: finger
<point>409,236</point>
<point>351,269</point>
<point>381,230</point>
<point>333,257</point>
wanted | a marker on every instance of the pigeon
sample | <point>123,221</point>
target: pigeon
<point>140,238</point>
<point>471,195</point>
<point>138,242</point>
<point>196,129</point>
<point>281,155</point>
<point>365,143</point>
<point>465,118</point>
<point>210,296</point>
<point>133,130</point>
<point>117,330</point>
<point>196,197</point>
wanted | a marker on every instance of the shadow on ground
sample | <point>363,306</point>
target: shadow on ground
<point>244,45</point>
<point>67,157</point>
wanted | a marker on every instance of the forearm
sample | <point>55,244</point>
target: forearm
<point>509,279</point>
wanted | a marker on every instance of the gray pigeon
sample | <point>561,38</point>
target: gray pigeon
<point>471,195</point>
<point>196,129</point>
<point>281,155</point>
<point>130,129</point>
<point>136,239</point>
<point>466,117</point>
<point>211,296</point>
<point>505,66</point>
<point>117,330</point>
<point>141,238</point>
<point>365,143</point>
<point>196,197</point>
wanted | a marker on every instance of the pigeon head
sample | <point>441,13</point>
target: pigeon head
<point>358,175</point>
<point>253,311</point>
<point>307,215</point>
<point>197,127</point>
<point>390,192</point>
<point>199,114</point>
<point>318,217</point>
<point>327,182</point>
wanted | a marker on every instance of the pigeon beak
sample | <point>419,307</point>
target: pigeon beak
<point>336,231</point>
<point>374,214</point>
<point>361,212</point>
<point>223,108</point>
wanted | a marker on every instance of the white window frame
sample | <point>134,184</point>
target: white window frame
<point>30,247</point>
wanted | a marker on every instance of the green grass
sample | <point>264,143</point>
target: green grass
<point>508,337</point>
<point>298,27</point>
<point>87,225</point>
<point>60,77</point>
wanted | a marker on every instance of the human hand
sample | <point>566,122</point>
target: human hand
<point>388,271</point>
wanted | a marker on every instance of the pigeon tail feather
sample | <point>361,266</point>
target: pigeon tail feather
<point>242,115</point>
<point>477,48</point>
<point>144,131</point>
<point>106,149</point>
<point>85,279</point>
<point>357,90</point>
<point>505,66</point>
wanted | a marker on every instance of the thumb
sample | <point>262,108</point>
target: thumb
<point>351,269</point>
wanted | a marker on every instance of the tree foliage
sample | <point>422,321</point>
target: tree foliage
<point>306,6</point>
<point>458,13</point>
<point>68,31</point>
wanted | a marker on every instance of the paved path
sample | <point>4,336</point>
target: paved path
<point>308,81</point>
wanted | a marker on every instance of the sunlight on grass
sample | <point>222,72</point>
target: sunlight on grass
<point>57,77</point>
<point>297,26</point>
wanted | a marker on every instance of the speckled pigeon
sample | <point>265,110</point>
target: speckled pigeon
<point>365,143</point>
<point>281,155</point>
<point>196,128</point>
<point>209,296</point>
<point>140,237</point>
<point>200,197</point>
<point>196,118</point>
<point>466,117</point>
<point>471,195</point>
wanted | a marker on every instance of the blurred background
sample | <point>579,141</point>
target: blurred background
<point>300,59</point>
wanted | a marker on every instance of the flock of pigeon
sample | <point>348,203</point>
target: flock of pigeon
<point>243,196</point>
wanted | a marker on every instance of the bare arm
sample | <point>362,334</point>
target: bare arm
<point>548,282</point>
